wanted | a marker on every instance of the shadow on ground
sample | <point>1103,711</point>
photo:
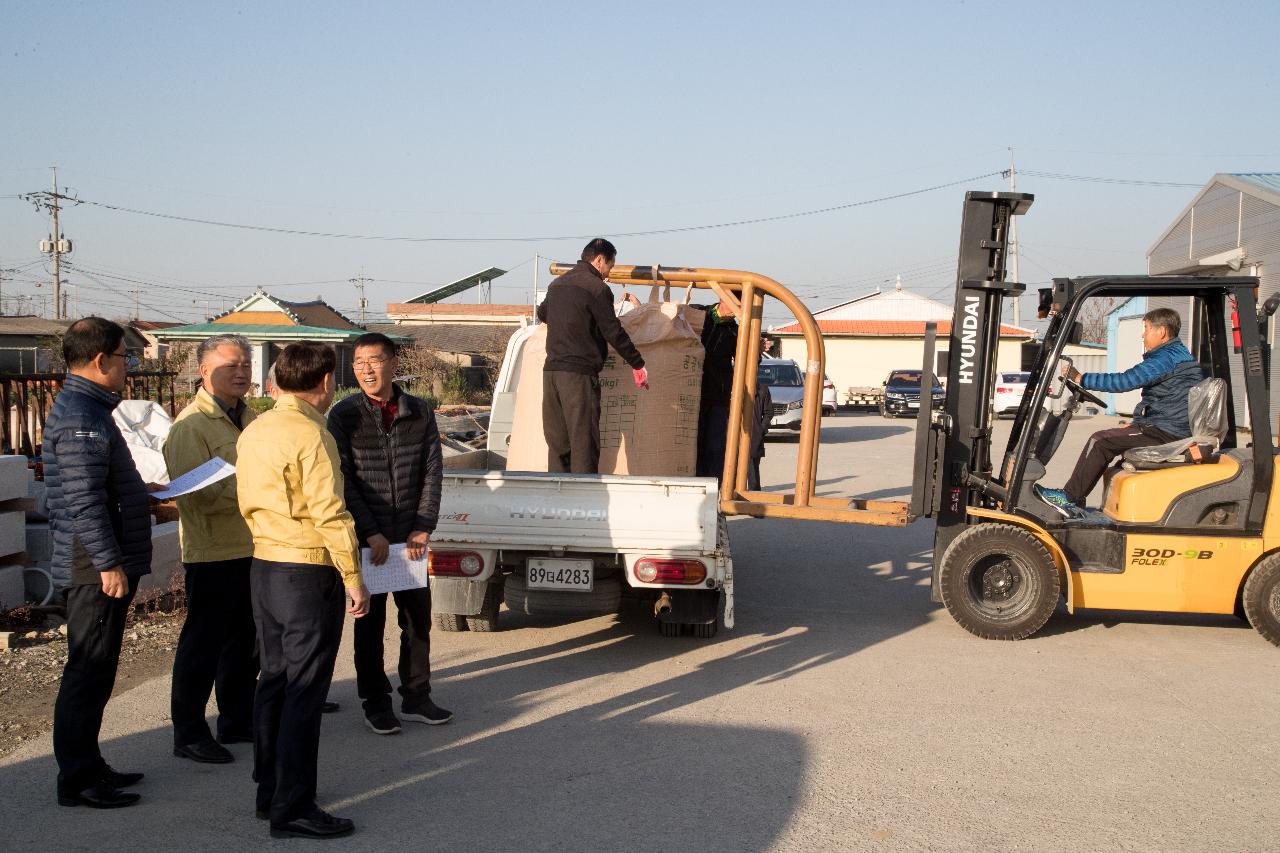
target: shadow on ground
<point>610,739</point>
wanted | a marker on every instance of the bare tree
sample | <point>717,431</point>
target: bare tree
<point>1093,317</point>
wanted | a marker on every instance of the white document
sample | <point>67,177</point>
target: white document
<point>397,573</point>
<point>196,479</point>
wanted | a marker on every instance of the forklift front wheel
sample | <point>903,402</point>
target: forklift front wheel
<point>999,582</point>
<point>1262,598</point>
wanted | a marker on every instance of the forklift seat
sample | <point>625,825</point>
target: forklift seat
<point>1207,414</point>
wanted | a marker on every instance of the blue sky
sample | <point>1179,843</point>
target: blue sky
<point>515,120</point>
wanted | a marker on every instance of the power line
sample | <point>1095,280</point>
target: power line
<point>649,233</point>
<point>1137,182</point>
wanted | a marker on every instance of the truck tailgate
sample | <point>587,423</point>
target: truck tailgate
<point>579,512</point>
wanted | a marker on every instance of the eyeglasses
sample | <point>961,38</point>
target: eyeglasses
<point>116,354</point>
<point>376,361</point>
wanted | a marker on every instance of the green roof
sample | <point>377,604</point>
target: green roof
<point>260,332</point>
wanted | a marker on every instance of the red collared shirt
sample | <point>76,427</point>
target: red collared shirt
<point>389,410</point>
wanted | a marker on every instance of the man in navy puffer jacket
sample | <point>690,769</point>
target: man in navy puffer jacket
<point>1165,375</point>
<point>101,523</point>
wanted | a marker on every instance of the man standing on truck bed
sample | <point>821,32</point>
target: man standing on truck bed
<point>578,311</point>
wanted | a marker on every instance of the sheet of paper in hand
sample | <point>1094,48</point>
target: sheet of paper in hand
<point>197,478</point>
<point>397,573</point>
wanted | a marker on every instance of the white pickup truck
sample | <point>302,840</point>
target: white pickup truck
<point>573,544</point>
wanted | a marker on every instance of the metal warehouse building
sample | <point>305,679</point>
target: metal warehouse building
<point>1231,227</point>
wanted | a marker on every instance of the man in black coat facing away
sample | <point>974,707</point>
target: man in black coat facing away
<point>578,311</point>
<point>392,472</point>
<point>101,523</point>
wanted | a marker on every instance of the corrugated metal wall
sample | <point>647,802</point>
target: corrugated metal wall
<point>1174,251</point>
<point>1221,220</point>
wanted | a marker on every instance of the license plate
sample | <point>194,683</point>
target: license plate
<point>559,574</point>
<point>913,405</point>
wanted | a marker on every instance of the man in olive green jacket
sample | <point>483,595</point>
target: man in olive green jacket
<point>218,645</point>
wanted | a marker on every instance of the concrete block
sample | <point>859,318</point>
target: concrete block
<point>39,544</point>
<point>12,536</point>
<point>166,558</point>
<point>37,492</point>
<point>13,477</point>
<point>13,591</point>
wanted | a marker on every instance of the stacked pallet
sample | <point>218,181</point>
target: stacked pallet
<point>864,396</point>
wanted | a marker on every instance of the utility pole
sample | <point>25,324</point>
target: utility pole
<point>536,259</point>
<point>136,294</point>
<point>360,282</point>
<point>57,244</point>
<point>57,253</point>
<point>1013,240</point>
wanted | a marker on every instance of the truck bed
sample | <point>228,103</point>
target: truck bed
<point>520,510</point>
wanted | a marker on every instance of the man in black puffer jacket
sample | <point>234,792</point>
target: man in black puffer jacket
<point>101,524</point>
<point>392,471</point>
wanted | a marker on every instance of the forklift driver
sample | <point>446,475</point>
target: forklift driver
<point>1165,375</point>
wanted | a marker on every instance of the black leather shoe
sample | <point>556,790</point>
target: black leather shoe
<point>235,737</point>
<point>318,824</point>
<point>329,707</point>
<point>205,752</point>
<point>98,797</point>
<point>115,779</point>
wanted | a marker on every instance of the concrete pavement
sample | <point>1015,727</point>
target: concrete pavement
<point>845,711</point>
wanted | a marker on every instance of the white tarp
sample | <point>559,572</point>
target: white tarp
<point>145,426</point>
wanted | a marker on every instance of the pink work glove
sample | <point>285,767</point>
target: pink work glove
<point>642,378</point>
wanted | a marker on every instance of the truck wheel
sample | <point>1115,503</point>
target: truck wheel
<point>451,622</point>
<point>998,582</point>
<point>486,621</point>
<point>1262,598</point>
<point>706,630</point>
<point>669,629</point>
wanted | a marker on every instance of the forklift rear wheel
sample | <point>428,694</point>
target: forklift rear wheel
<point>1262,598</point>
<point>451,622</point>
<point>998,582</point>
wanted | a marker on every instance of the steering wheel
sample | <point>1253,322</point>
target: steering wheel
<point>1081,393</point>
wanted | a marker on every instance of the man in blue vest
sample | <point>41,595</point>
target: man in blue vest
<point>1165,375</point>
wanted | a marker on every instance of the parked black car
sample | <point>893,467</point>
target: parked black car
<point>902,394</point>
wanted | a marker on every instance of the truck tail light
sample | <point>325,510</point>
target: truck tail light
<point>454,564</point>
<point>1004,390</point>
<point>655,570</point>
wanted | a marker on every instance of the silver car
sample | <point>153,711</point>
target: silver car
<point>786,387</point>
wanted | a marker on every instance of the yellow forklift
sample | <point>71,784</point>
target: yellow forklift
<point>1175,534</point>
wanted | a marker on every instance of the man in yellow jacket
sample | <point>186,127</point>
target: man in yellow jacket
<point>304,552</point>
<point>218,645</point>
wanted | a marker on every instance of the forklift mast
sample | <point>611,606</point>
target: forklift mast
<point>953,451</point>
